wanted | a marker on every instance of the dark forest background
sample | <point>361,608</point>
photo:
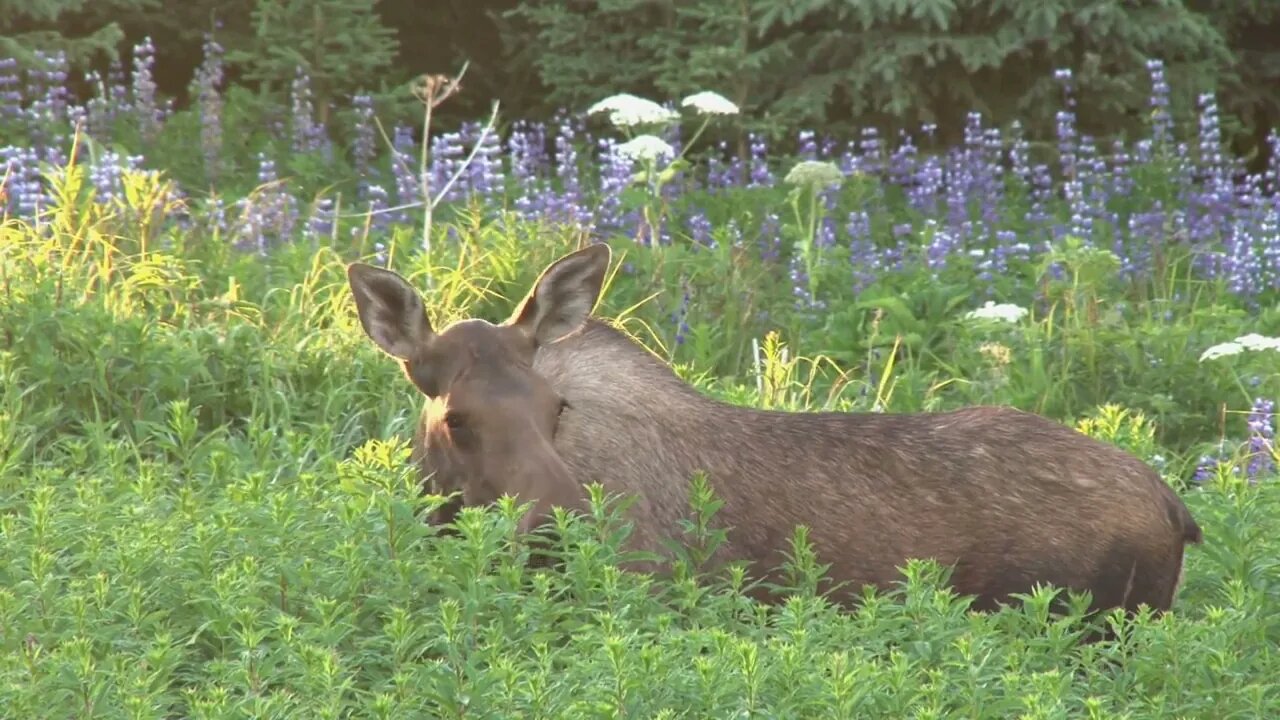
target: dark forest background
<point>832,66</point>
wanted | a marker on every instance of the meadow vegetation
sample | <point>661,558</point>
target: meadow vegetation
<point>205,500</point>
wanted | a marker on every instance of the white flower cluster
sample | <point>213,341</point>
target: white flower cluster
<point>1004,312</point>
<point>1252,341</point>
<point>645,147</point>
<point>709,103</point>
<point>813,172</point>
<point>627,110</point>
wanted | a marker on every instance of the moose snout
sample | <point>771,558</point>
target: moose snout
<point>541,477</point>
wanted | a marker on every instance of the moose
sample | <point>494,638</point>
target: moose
<point>553,398</point>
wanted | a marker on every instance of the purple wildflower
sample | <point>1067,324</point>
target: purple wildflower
<point>1262,437</point>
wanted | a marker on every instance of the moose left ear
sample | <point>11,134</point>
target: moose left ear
<point>391,311</point>
<point>562,298</point>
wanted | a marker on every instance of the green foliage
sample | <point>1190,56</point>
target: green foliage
<point>839,66</point>
<point>84,31</point>
<point>342,45</point>
<point>208,511</point>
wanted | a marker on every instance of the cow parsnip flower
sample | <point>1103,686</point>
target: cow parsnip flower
<point>1254,341</point>
<point>627,110</point>
<point>645,147</point>
<point>710,103</point>
<point>1225,349</point>
<point>814,172</point>
<point>1004,312</point>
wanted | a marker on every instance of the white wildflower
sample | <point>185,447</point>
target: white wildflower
<point>627,110</point>
<point>1222,350</point>
<point>645,147</point>
<point>813,172</point>
<point>1004,312</point>
<point>710,103</point>
<point>1251,342</point>
<point>1254,341</point>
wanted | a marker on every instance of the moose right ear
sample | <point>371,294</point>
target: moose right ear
<point>563,296</point>
<point>390,310</point>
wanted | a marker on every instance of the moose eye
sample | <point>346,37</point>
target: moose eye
<point>454,420</point>
<point>564,405</point>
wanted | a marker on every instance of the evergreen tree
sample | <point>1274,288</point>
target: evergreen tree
<point>341,45</point>
<point>84,31</point>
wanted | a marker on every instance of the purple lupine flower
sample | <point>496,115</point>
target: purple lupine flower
<point>862,250</point>
<point>1161,119</point>
<point>1148,238</point>
<point>485,172</point>
<point>1020,153</point>
<point>322,220</point>
<point>1210,205</point>
<point>97,114</point>
<point>209,79</point>
<point>448,154</point>
<point>35,114</point>
<point>270,214</point>
<point>928,187</point>
<point>942,243</point>
<point>870,151</point>
<point>568,203</point>
<point>27,193</point>
<point>903,161</point>
<point>808,145</point>
<point>1262,439</point>
<point>117,89</point>
<point>10,90</point>
<point>1272,172</point>
<point>147,112</point>
<point>213,216</point>
<point>825,237</point>
<point>308,135</point>
<point>1205,469</point>
<point>1268,238</point>
<point>805,300</point>
<point>770,237</point>
<point>404,168</point>
<point>363,145</point>
<point>376,202</point>
<point>700,229</point>
<point>55,104</point>
<point>526,160</point>
<point>1241,264</point>
<point>106,175</point>
<point>761,175</point>
<point>722,172</point>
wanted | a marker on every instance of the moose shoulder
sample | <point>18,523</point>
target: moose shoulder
<point>552,399</point>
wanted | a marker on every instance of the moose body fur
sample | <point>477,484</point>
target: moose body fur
<point>1006,498</point>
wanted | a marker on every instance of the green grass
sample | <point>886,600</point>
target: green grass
<point>207,512</point>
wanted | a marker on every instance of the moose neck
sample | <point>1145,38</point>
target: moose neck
<point>602,364</point>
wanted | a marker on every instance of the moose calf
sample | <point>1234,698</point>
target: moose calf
<point>552,399</point>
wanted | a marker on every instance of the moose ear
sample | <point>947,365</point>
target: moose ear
<point>390,310</point>
<point>562,298</point>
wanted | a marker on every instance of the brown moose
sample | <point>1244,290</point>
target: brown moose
<point>552,399</point>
